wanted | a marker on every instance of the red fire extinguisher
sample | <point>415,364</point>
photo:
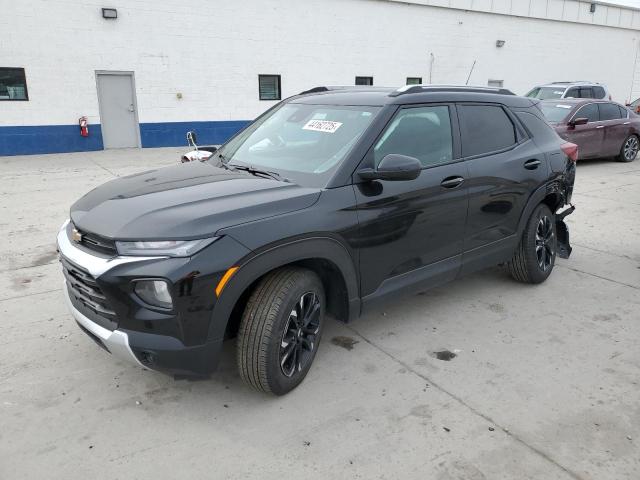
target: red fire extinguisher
<point>84,126</point>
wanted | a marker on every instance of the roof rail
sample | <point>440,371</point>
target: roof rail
<point>331,88</point>
<point>407,89</point>
<point>575,81</point>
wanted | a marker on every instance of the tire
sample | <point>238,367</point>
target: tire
<point>275,351</point>
<point>629,149</point>
<point>535,256</point>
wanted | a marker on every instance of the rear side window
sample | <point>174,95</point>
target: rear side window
<point>579,92</point>
<point>485,129</point>
<point>573,93</point>
<point>540,130</point>
<point>423,133</point>
<point>590,112</point>
<point>609,111</point>
<point>598,92</point>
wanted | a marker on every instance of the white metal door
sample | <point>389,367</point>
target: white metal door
<point>118,118</point>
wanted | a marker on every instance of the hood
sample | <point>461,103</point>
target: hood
<point>187,201</point>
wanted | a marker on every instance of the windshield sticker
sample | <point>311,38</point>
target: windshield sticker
<point>564,106</point>
<point>325,126</point>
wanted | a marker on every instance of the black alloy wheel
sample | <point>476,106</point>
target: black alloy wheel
<point>545,243</point>
<point>299,336</point>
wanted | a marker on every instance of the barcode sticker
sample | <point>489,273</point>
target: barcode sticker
<point>325,126</point>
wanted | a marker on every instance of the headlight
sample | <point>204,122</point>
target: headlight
<point>154,292</point>
<point>169,248</point>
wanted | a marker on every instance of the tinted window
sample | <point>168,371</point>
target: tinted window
<point>540,130</point>
<point>624,113</point>
<point>573,93</point>
<point>364,80</point>
<point>609,111</point>
<point>598,92</point>
<point>586,93</point>
<point>423,133</point>
<point>588,111</point>
<point>484,129</point>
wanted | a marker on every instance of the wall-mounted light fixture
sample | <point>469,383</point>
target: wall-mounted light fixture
<point>109,13</point>
<point>500,43</point>
<point>592,8</point>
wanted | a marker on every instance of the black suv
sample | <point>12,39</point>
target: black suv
<point>328,203</point>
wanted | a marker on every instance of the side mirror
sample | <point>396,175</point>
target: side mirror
<point>192,139</point>
<point>394,167</point>
<point>578,121</point>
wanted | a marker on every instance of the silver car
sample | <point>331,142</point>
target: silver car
<point>557,90</point>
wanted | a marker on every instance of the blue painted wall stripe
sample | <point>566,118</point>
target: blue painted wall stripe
<point>48,139</point>
<point>28,140</point>
<point>172,134</point>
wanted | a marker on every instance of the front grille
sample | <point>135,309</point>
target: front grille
<point>84,289</point>
<point>96,243</point>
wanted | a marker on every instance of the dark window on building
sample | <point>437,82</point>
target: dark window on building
<point>414,80</point>
<point>485,129</point>
<point>423,133</point>
<point>598,92</point>
<point>495,83</point>
<point>364,80</point>
<point>13,84</point>
<point>269,87</point>
<point>590,112</point>
<point>609,111</point>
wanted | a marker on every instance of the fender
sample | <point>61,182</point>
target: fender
<point>536,197</point>
<point>253,267</point>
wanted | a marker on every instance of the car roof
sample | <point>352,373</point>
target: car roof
<point>410,94</point>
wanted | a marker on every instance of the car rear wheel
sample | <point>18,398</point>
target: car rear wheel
<point>280,330</point>
<point>629,149</point>
<point>535,256</point>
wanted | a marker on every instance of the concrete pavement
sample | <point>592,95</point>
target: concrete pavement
<point>545,384</point>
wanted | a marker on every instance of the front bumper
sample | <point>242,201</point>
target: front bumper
<point>115,342</point>
<point>185,341</point>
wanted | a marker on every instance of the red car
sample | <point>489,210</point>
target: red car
<point>600,128</point>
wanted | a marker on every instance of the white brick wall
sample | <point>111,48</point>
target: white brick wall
<point>212,51</point>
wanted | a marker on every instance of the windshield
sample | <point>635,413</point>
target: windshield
<point>302,142</point>
<point>555,112</point>
<point>545,93</point>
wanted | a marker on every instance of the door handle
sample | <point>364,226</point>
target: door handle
<point>626,123</point>
<point>452,182</point>
<point>600,126</point>
<point>131,109</point>
<point>531,164</point>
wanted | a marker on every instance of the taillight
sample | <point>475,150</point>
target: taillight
<point>570,150</point>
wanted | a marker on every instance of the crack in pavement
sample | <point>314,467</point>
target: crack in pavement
<point>547,457</point>
<point>599,276</point>
<point>30,294</point>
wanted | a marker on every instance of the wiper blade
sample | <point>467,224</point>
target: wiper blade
<point>258,172</point>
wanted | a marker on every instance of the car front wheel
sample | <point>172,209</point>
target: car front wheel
<point>280,330</point>
<point>535,256</point>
